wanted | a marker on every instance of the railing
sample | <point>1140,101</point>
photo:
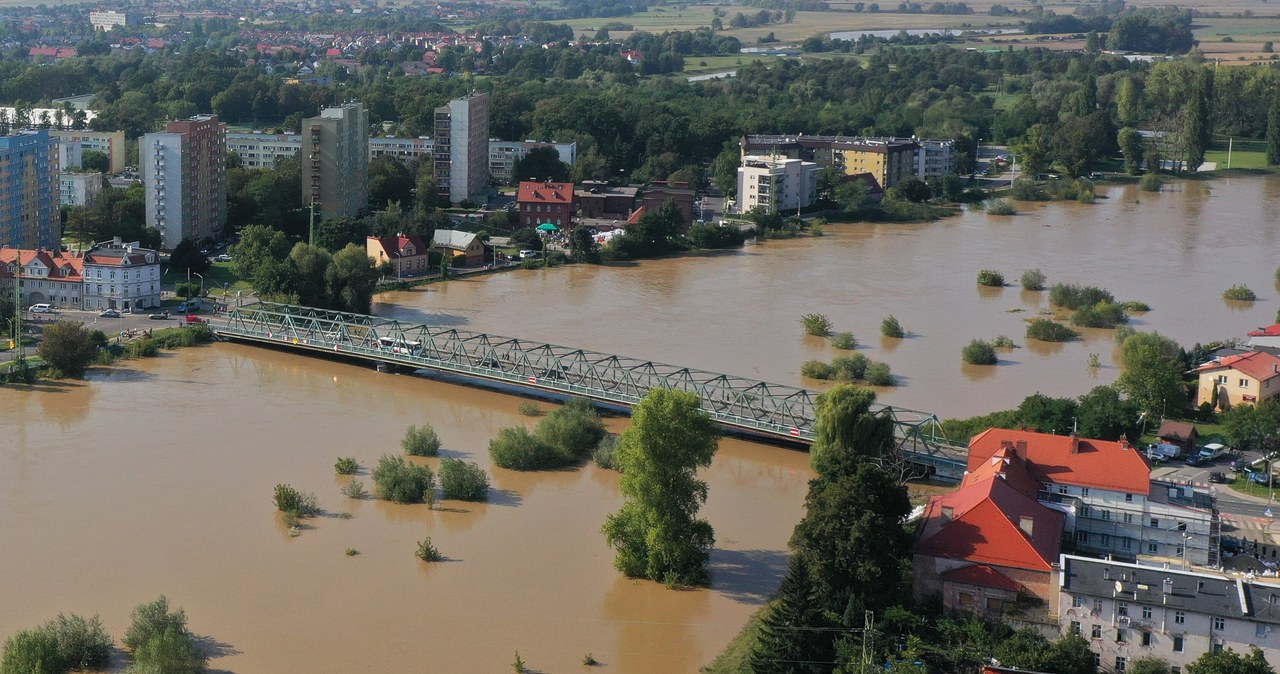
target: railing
<point>756,406</point>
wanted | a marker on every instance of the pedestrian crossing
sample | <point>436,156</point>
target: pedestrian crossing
<point>1244,526</point>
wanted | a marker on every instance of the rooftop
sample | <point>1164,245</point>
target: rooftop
<point>1260,365</point>
<point>1064,459</point>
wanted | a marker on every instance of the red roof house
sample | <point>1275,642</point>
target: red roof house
<point>1243,378</point>
<point>408,254</point>
<point>1064,459</point>
<point>545,202</point>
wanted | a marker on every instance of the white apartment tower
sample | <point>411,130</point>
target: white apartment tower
<point>336,161</point>
<point>462,147</point>
<point>185,175</point>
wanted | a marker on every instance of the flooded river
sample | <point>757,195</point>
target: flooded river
<point>156,476</point>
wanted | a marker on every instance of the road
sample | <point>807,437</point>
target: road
<point>33,323</point>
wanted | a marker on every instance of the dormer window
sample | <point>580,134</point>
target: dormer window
<point>408,250</point>
<point>151,257</point>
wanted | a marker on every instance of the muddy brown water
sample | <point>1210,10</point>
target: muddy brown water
<point>156,476</point>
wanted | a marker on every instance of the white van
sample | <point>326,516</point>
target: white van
<point>41,309</point>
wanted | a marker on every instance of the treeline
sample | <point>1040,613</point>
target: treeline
<point>1160,31</point>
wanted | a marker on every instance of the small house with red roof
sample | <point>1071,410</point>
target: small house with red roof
<point>1266,338</point>
<point>1246,378</point>
<point>1112,506</point>
<point>545,202</point>
<point>408,254</point>
<point>989,543</point>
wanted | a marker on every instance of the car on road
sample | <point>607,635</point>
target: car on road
<point>163,315</point>
<point>193,319</point>
<point>1219,478</point>
<point>1194,460</point>
<point>1212,451</point>
<point>41,309</point>
<point>189,307</point>
<point>110,313</point>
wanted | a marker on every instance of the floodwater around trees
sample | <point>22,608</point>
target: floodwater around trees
<point>156,476</point>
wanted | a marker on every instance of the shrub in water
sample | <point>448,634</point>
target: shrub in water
<point>890,327</point>
<point>1000,207</point>
<point>1002,342</point>
<point>290,500</point>
<point>817,325</point>
<point>346,465</point>
<point>1071,296</point>
<point>1239,293</point>
<point>421,441</point>
<point>529,409</point>
<point>144,347</point>
<point>1049,331</point>
<point>1134,306</point>
<point>878,374</point>
<point>606,453</point>
<point>463,480</point>
<point>152,619</point>
<point>1032,279</point>
<point>990,277</point>
<point>844,340</point>
<point>816,369</point>
<point>979,352</point>
<point>354,489</point>
<point>428,552</point>
<point>516,448</point>
<point>573,430</point>
<point>1150,182</point>
<point>82,642</point>
<point>170,652</point>
<point>849,368</point>
<point>395,479</point>
<point>1100,315</point>
<point>31,651</point>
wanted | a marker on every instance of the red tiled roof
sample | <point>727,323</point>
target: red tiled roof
<point>1269,331</point>
<point>980,523</point>
<point>393,245</point>
<point>981,574</point>
<point>545,193</point>
<point>55,261</point>
<point>1005,464</point>
<point>1062,459</point>
<point>1257,364</point>
<point>635,216</point>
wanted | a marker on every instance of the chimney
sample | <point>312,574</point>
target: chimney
<point>1022,447</point>
<point>1006,444</point>
<point>1124,443</point>
<point>948,513</point>
<point>1027,524</point>
<point>1168,586</point>
<point>1075,444</point>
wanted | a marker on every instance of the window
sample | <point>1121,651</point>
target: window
<point>1179,618</point>
<point>1084,491</point>
<point>1105,514</point>
<point>1122,608</point>
<point>1146,638</point>
<point>1120,662</point>
<point>1153,548</point>
<point>1219,624</point>
<point>1076,602</point>
<point>1122,635</point>
<point>1062,489</point>
<point>1244,383</point>
<point>1128,517</point>
<point>966,599</point>
<point>1126,543</point>
<point>1096,632</point>
<point>1146,613</point>
<point>993,604</point>
<point>1104,540</point>
<point>1097,660</point>
<point>1082,537</point>
<point>1075,627</point>
<point>1260,630</point>
<point>1222,379</point>
<point>1097,606</point>
<point>1177,644</point>
<point>1155,523</point>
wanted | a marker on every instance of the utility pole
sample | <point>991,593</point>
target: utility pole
<point>868,624</point>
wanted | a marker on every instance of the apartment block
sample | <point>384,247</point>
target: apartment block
<point>29,191</point>
<point>263,150</point>
<point>891,160</point>
<point>1128,611</point>
<point>110,143</point>
<point>123,276</point>
<point>778,184</point>
<point>462,147</point>
<point>335,169</point>
<point>503,156</point>
<point>78,189</point>
<point>47,276</point>
<point>106,20</point>
<point>184,172</point>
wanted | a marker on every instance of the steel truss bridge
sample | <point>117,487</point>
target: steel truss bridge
<point>746,405</point>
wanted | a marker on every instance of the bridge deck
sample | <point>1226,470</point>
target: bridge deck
<point>758,407</point>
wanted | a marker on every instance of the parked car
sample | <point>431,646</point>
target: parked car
<point>1260,477</point>
<point>163,315</point>
<point>110,313</point>
<point>1219,478</point>
<point>1194,460</point>
<point>193,319</point>
<point>1212,451</point>
<point>41,309</point>
<point>223,258</point>
<point>191,306</point>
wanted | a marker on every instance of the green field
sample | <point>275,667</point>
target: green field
<point>1245,153</point>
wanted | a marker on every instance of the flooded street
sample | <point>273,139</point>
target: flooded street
<point>155,477</point>
<point>738,312</point>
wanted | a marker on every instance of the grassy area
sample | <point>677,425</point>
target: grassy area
<point>701,65</point>
<point>735,659</point>
<point>221,273</point>
<point>1243,485</point>
<point>1246,153</point>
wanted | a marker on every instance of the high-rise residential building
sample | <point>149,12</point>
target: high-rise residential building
<point>462,147</point>
<point>184,172</point>
<point>108,19</point>
<point>29,190</point>
<point>776,183</point>
<point>110,143</point>
<point>335,165</point>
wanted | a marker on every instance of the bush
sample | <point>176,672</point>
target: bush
<point>186,290</point>
<point>878,374</point>
<point>1000,207</point>
<point>172,651</point>
<point>1150,182</point>
<point>463,480</point>
<point>31,651</point>
<point>716,236</point>
<point>151,620</point>
<point>1135,307</point>
<point>515,448</point>
<point>1071,296</point>
<point>354,489</point>
<point>849,368</point>
<point>144,347</point>
<point>1049,331</point>
<point>817,325</point>
<point>395,479</point>
<point>606,453</point>
<point>991,278</point>
<point>1122,333</point>
<point>844,340</point>
<point>428,552</point>
<point>816,369</point>
<point>1026,189</point>
<point>1003,342</point>
<point>1032,279</point>
<point>1239,293</point>
<point>67,347</point>
<point>346,465</point>
<point>290,500</point>
<point>530,409</point>
<point>890,327</point>
<point>1100,315</point>
<point>421,441</point>
<point>82,642</point>
<point>573,430</point>
<point>979,352</point>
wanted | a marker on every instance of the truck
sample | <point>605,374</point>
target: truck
<point>1163,451</point>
